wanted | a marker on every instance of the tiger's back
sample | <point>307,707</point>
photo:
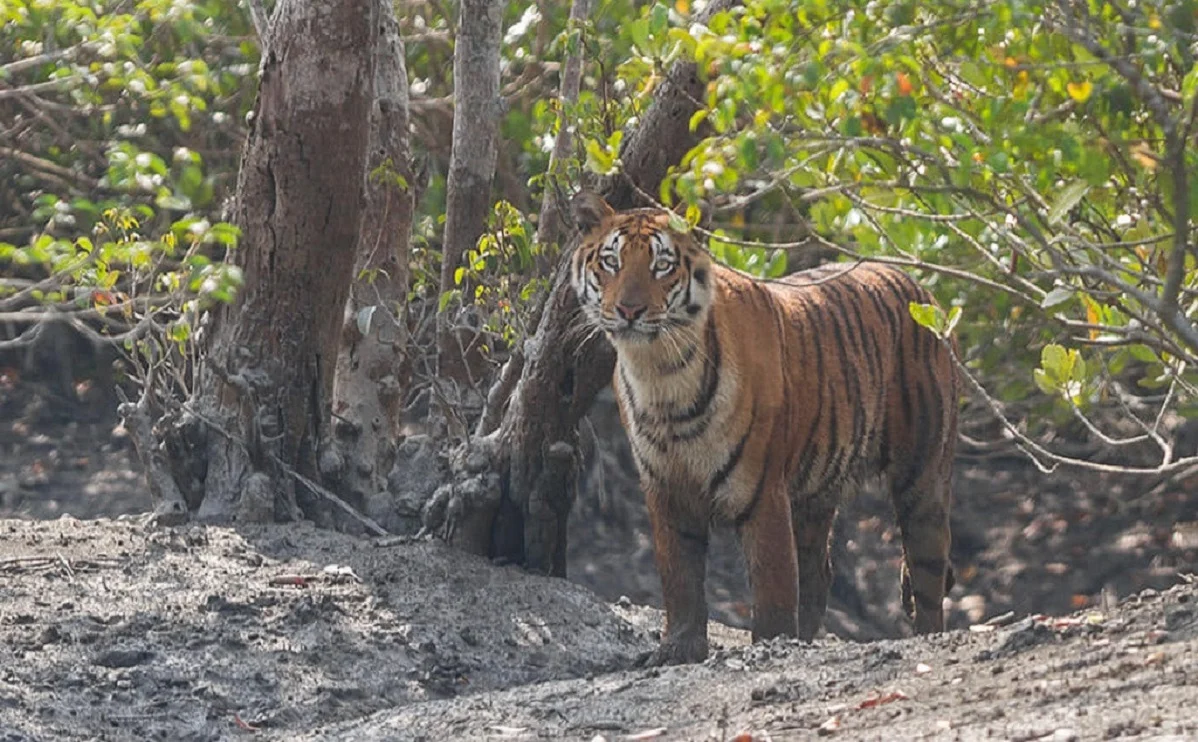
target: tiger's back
<point>760,403</point>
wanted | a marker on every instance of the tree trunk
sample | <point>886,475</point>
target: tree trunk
<point>260,402</point>
<point>535,445</point>
<point>373,369</point>
<point>477,110</point>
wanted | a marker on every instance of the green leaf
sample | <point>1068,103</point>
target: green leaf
<point>926,316</point>
<point>682,224</point>
<point>1070,196</point>
<point>1057,296</point>
<point>1055,360</point>
<point>1046,383</point>
<point>954,316</point>
<point>447,298</point>
<point>659,19</point>
<point>839,88</point>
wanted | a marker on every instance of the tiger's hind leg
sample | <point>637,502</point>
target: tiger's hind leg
<point>767,540</point>
<point>811,519</point>
<point>922,511</point>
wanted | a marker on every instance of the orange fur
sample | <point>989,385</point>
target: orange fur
<point>763,404</point>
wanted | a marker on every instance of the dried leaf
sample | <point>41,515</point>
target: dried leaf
<point>883,699</point>
<point>243,725</point>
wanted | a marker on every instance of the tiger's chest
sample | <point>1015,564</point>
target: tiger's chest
<point>680,429</point>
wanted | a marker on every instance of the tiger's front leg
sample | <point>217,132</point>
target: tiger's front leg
<point>680,548</point>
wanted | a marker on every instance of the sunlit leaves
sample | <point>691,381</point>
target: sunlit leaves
<point>981,136</point>
<point>934,318</point>
<point>1062,372</point>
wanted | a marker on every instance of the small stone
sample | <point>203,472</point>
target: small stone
<point>123,657</point>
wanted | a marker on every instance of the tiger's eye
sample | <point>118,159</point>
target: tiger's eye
<point>663,266</point>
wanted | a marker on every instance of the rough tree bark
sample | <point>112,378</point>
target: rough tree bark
<point>373,370</point>
<point>522,517</point>
<point>477,109</point>
<point>260,405</point>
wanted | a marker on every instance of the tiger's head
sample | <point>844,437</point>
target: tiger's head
<point>637,278</point>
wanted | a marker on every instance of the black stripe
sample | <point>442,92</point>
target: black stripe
<point>643,466</point>
<point>810,447</point>
<point>626,388</point>
<point>725,471</point>
<point>645,424</point>
<point>869,346</point>
<point>851,396</point>
<point>923,428</point>
<point>697,429</point>
<point>678,364</point>
<point>757,493</point>
<point>698,538</point>
<point>711,379</point>
<point>887,314</point>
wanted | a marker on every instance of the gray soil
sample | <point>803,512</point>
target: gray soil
<point>115,629</point>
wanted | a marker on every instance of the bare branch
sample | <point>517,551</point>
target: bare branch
<point>36,87</point>
<point>20,65</point>
<point>260,18</point>
<point>550,223</point>
<point>1038,454</point>
<point>77,179</point>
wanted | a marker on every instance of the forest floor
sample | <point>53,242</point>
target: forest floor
<point>113,629</point>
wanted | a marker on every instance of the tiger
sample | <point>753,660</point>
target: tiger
<point>764,404</point>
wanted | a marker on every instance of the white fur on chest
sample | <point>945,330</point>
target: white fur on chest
<point>678,452</point>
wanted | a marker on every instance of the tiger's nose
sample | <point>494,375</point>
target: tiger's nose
<point>630,312</point>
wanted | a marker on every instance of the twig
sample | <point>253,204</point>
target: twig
<point>260,19</point>
<point>1038,454</point>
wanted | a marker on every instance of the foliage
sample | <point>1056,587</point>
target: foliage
<point>121,123</point>
<point>1028,158</point>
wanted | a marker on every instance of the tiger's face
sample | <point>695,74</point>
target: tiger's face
<point>636,278</point>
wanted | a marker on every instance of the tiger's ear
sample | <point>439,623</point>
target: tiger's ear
<point>589,210</point>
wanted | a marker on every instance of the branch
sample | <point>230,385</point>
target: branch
<point>550,223</point>
<point>20,65</point>
<point>35,87</point>
<point>261,20</point>
<point>1038,454</point>
<point>80,180</point>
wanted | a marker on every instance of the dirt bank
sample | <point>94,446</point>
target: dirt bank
<point>115,630</point>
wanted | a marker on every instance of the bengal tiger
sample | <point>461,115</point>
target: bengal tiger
<point>763,404</point>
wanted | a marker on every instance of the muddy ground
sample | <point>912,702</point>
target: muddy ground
<point>114,630</point>
<point>111,629</point>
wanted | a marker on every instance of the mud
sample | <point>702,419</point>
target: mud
<point>118,630</point>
